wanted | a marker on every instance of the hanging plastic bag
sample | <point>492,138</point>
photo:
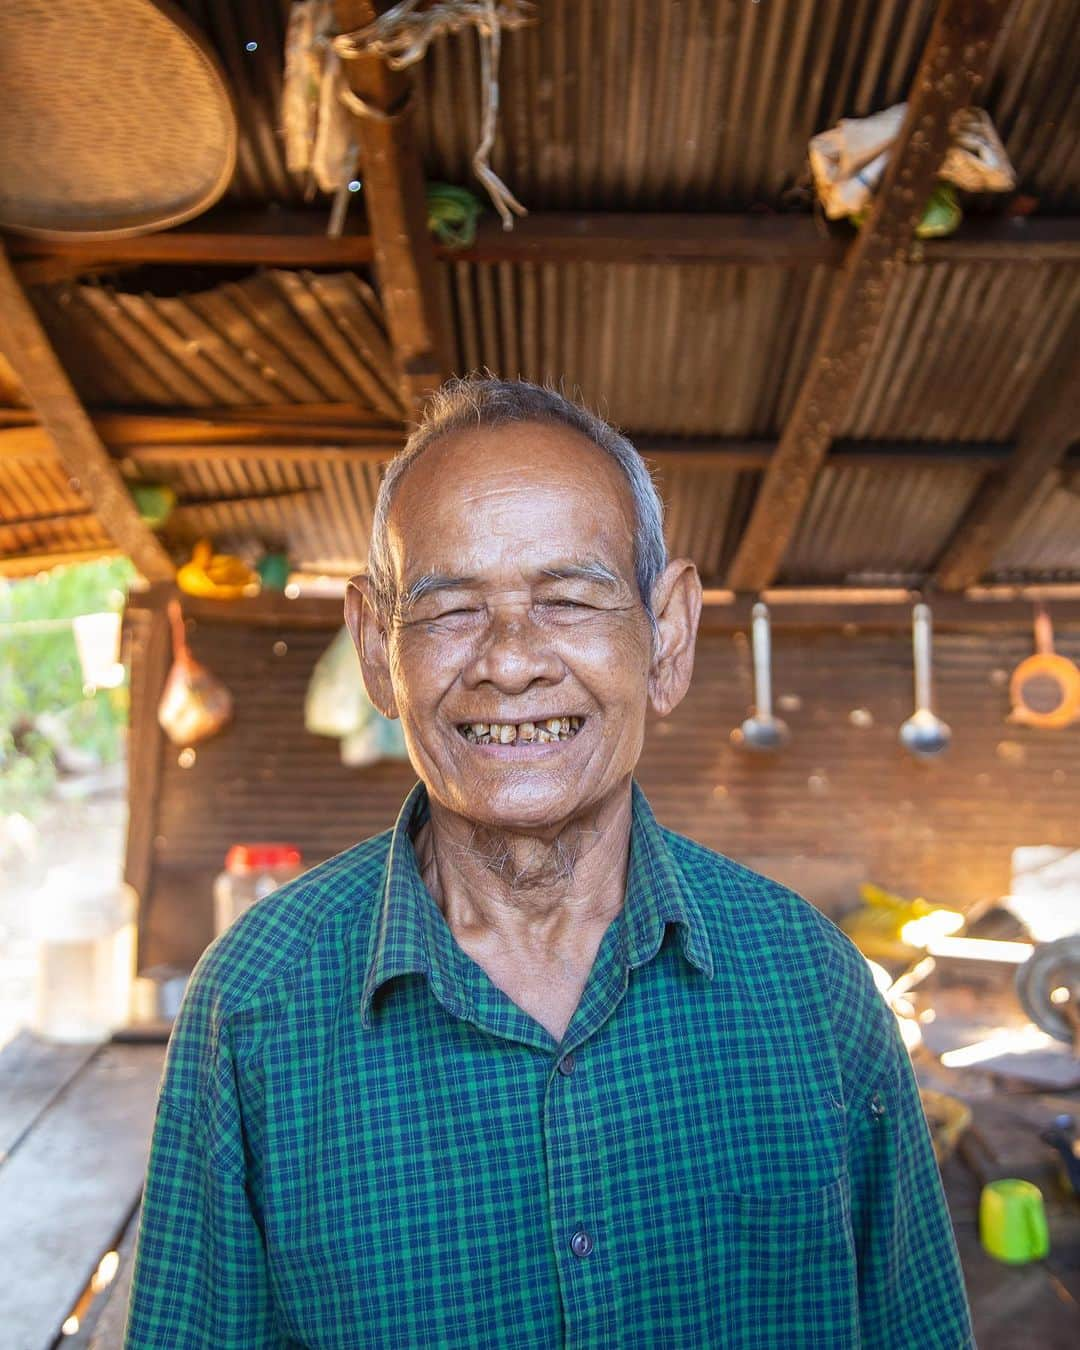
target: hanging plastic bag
<point>380,739</point>
<point>337,705</point>
<point>976,160</point>
<point>194,704</point>
<point>848,161</point>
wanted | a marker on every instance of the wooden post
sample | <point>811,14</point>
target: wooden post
<point>30,354</point>
<point>953,66</point>
<point>395,197</point>
<point>150,650</point>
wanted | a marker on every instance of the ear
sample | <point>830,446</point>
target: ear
<point>677,606</point>
<point>370,639</point>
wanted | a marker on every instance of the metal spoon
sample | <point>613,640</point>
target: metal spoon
<point>923,734</point>
<point>763,731</point>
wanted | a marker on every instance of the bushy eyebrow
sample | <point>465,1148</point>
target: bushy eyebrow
<point>589,571</point>
<point>433,581</point>
<point>446,581</point>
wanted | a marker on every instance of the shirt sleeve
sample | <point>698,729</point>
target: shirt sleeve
<point>911,1286</point>
<point>200,1277</point>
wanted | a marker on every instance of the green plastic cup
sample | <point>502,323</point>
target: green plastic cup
<point>1012,1221</point>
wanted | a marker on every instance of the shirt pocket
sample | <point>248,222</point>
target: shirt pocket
<point>782,1270</point>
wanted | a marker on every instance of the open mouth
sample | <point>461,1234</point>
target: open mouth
<point>521,733</point>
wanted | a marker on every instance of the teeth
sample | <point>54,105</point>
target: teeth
<point>507,733</point>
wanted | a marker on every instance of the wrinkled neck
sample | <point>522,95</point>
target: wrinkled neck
<point>531,889</point>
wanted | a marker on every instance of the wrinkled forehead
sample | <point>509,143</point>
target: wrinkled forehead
<point>494,500</point>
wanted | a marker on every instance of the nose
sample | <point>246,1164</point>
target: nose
<point>514,654</point>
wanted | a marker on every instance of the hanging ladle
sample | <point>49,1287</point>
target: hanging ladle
<point>763,731</point>
<point>923,734</point>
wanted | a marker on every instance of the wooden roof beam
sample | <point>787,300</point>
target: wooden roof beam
<point>80,448</point>
<point>295,238</point>
<point>327,435</point>
<point>1049,425</point>
<point>27,564</point>
<point>396,202</point>
<point>952,67</point>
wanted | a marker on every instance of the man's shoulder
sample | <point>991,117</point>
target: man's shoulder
<point>760,911</point>
<point>278,933</point>
<point>781,941</point>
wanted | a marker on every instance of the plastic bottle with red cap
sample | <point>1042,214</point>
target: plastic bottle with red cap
<point>252,872</point>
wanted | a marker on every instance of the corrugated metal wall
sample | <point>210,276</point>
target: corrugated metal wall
<point>842,803</point>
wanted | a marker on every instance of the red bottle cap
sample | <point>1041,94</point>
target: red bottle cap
<point>243,858</point>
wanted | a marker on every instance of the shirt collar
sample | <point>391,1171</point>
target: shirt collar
<point>410,936</point>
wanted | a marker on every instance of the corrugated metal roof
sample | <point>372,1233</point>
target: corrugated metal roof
<point>275,337</point>
<point>318,511</point>
<point>1045,542</point>
<point>702,513</point>
<point>716,349</point>
<point>681,105</point>
<point>960,348</point>
<point>877,526</point>
<point>689,350</point>
<point>255,78</point>
<point>690,104</point>
<point>700,105</point>
<point>697,349</point>
<point>42,510</point>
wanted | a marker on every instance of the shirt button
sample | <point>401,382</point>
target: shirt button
<point>581,1244</point>
<point>877,1106</point>
<point>566,1064</point>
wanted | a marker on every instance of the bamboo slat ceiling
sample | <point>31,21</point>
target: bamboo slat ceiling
<point>693,106</point>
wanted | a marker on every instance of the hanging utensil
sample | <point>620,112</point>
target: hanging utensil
<point>763,731</point>
<point>1045,688</point>
<point>923,734</point>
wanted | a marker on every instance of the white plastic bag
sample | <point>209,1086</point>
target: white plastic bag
<point>848,161</point>
<point>337,705</point>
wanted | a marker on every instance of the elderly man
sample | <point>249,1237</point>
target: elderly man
<point>529,1070</point>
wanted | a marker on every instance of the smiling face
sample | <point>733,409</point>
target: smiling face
<point>522,661</point>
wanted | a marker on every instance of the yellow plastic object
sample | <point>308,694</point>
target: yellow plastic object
<point>877,927</point>
<point>1012,1221</point>
<point>216,576</point>
<point>948,1118</point>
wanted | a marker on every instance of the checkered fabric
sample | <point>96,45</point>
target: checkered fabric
<point>361,1141</point>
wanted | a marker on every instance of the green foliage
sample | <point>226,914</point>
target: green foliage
<point>40,674</point>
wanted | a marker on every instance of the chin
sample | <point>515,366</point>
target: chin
<point>524,804</point>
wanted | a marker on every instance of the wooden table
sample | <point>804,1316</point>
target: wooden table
<point>75,1123</point>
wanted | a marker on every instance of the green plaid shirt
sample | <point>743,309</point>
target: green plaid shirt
<point>361,1141</point>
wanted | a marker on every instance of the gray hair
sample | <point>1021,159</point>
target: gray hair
<point>483,401</point>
